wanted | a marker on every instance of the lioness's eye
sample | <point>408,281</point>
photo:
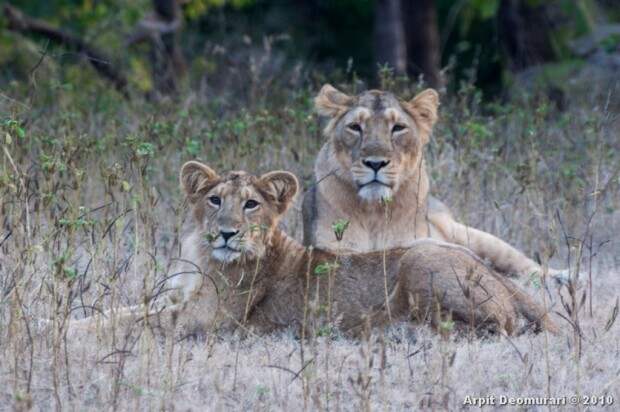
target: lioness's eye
<point>398,128</point>
<point>215,201</point>
<point>251,204</point>
<point>354,127</point>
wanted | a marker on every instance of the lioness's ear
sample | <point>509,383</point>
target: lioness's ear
<point>281,187</point>
<point>194,177</point>
<point>423,109</point>
<point>331,101</point>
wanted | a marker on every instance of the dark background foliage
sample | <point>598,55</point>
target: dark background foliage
<point>485,42</point>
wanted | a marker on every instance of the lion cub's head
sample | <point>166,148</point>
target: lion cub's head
<point>237,212</point>
<point>377,139</point>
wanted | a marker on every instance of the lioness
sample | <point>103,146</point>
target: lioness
<point>264,279</point>
<point>371,172</point>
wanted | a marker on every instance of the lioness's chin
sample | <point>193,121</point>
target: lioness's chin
<point>225,255</point>
<point>375,192</point>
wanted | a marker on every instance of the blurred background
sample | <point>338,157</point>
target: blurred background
<point>162,47</point>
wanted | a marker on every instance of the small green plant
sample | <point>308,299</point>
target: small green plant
<point>61,270</point>
<point>145,149</point>
<point>610,43</point>
<point>210,237</point>
<point>387,200</point>
<point>325,331</point>
<point>324,268</point>
<point>446,326</point>
<point>258,228</point>
<point>478,132</point>
<point>386,76</point>
<point>322,308</point>
<point>78,222</point>
<point>262,390</point>
<point>535,279</point>
<point>125,186</point>
<point>193,147</point>
<point>13,127</point>
<point>339,227</point>
<point>51,164</point>
<point>140,148</point>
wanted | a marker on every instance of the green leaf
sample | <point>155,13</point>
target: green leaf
<point>70,273</point>
<point>145,149</point>
<point>125,186</point>
<point>324,268</point>
<point>339,227</point>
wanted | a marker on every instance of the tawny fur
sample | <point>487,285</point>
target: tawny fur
<point>274,282</point>
<point>410,213</point>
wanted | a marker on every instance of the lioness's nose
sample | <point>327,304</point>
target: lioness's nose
<point>228,234</point>
<point>375,164</point>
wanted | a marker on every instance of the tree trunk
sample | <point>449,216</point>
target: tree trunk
<point>390,46</point>
<point>423,44</point>
<point>525,33</point>
<point>168,61</point>
<point>161,28</point>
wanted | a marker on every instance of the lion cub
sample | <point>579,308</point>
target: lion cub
<point>259,278</point>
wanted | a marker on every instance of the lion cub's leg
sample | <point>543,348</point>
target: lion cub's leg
<point>158,315</point>
<point>187,277</point>
<point>236,306</point>
<point>470,301</point>
<point>531,310</point>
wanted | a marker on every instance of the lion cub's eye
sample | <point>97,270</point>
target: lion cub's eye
<point>251,204</point>
<point>354,127</point>
<point>398,128</point>
<point>215,200</point>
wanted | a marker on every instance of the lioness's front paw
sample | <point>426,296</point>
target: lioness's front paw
<point>564,277</point>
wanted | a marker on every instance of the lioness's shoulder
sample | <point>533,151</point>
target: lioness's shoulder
<point>436,206</point>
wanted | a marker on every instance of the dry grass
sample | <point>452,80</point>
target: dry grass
<point>91,218</point>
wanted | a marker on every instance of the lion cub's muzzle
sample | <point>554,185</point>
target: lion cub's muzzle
<point>228,244</point>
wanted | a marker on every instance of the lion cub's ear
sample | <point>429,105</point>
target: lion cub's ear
<point>281,187</point>
<point>195,177</point>
<point>331,101</point>
<point>423,109</point>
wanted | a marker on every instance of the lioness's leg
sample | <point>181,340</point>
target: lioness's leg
<point>503,257</point>
<point>448,278</point>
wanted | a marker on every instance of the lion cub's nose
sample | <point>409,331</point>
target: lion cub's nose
<point>375,164</point>
<point>228,234</point>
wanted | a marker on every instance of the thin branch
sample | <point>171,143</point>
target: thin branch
<point>20,22</point>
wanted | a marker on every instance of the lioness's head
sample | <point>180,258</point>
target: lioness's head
<point>377,139</point>
<point>237,212</point>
